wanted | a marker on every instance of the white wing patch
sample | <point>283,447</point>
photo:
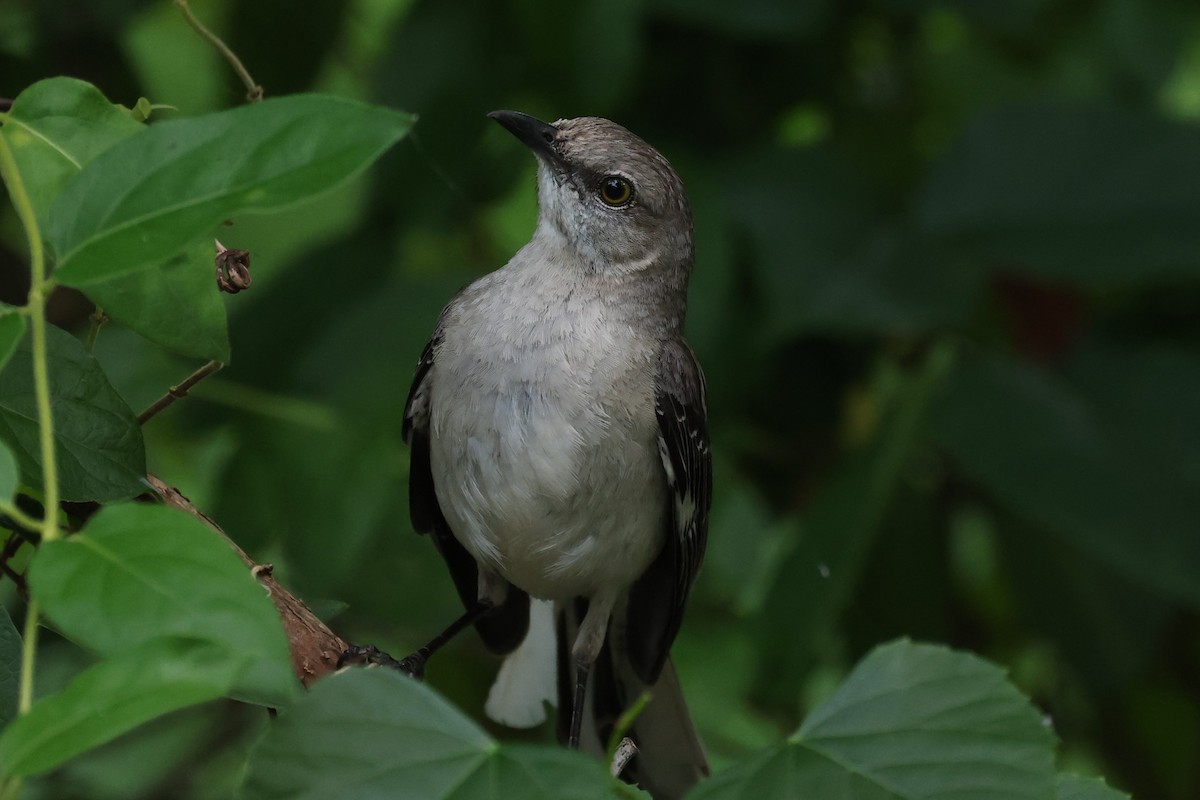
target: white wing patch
<point>666,460</point>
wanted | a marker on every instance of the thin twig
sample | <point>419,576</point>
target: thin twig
<point>98,319</point>
<point>254,92</point>
<point>178,392</point>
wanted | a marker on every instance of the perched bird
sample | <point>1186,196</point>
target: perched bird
<point>557,426</point>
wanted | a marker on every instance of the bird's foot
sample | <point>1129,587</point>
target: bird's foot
<point>369,656</point>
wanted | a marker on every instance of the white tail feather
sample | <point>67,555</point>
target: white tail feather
<point>528,678</point>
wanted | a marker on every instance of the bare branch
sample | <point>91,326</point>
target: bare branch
<point>315,648</point>
<point>177,392</point>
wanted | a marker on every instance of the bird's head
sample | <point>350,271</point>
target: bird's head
<point>613,198</point>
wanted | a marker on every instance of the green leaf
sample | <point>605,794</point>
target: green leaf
<point>177,306</point>
<point>10,474</point>
<point>55,127</point>
<point>815,581</point>
<point>58,126</point>
<point>1101,197</point>
<point>1101,457</point>
<point>12,328</point>
<point>1076,787</point>
<point>113,697</point>
<point>139,573</point>
<point>910,722</point>
<point>10,668</point>
<point>98,440</point>
<point>144,200</point>
<point>377,735</point>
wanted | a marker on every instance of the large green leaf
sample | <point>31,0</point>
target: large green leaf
<point>1101,197</point>
<point>113,697</point>
<point>139,573</point>
<point>142,201</point>
<point>177,305</point>
<point>10,667</point>
<point>55,127</point>
<point>377,735</point>
<point>98,440</point>
<point>911,722</point>
<point>1101,456</point>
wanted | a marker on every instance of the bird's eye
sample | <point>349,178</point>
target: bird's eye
<point>616,191</point>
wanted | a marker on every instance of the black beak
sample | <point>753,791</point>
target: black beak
<point>538,136</point>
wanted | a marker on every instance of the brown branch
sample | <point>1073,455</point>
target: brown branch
<point>254,92</point>
<point>315,648</point>
<point>178,392</point>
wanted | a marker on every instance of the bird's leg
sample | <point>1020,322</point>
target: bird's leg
<point>414,664</point>
<point>587,646</point>
<point>582,670</point>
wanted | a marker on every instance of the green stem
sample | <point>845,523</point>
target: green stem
<point>36,306</point>
<point>254,92</point>
<point>28,655</point>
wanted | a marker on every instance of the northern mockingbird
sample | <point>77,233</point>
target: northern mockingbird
<point>557,426</point>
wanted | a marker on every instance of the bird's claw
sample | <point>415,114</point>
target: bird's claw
<point>369,655</point>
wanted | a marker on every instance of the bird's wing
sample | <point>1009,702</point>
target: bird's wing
<point>503,628</point>
<point>657,598</point>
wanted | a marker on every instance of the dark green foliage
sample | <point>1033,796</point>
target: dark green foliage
<point>98,442</point>
<point>945,296</point>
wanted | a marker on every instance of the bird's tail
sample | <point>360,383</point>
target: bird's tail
<point>670,758</point>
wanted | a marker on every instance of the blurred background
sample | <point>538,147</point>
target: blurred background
<point>946,297</point>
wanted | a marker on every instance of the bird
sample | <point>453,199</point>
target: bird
<point>557,425</point>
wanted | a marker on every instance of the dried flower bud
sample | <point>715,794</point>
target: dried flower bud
<point>233,269</point>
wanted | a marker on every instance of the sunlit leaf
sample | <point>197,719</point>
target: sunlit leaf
<point>55,127</point>
<point>911,722</point>
<point>139,573</point>
<point>144,200</point>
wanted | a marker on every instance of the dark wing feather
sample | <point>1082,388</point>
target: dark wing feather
<point>658,597</point>
<point>503,628</point>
